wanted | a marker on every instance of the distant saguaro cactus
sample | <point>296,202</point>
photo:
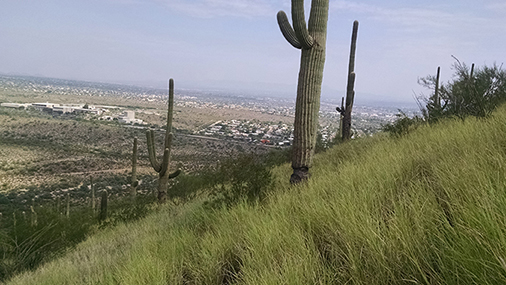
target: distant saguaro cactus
<point>103,206</point>
<point>163,167</point>
<point>350,92</point>
<point>434,107</point>
<point>134,182</point>
<point>311,40</point>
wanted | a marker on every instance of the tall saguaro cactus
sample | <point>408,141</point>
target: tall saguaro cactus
<point>311,40</point>
<point>163,167</point>
<point>350,89</point>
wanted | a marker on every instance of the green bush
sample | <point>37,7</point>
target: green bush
<point>472,92</point>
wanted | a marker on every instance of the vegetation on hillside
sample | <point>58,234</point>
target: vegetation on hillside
<point>474,92</point>
<point>424,208</point>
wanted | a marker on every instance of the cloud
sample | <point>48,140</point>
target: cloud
<point>497,6</point>
<point>412,18</point>
<point>217,8</point>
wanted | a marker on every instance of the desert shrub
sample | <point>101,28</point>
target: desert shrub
<point>403,125</point>
<point>244,177</point>
<point>185,187</point>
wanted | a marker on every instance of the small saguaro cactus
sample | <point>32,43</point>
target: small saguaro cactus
<point>134,182</point>
<point>33,214</point>
<point>311,40</point>
<point>437,100</point>
<point>350,92</point>
<point>67,213</point>
<point>341,112</point>
<point>93,199</point>
<point>103,206</point>
<point>163,167</point>
<point>58,205</point>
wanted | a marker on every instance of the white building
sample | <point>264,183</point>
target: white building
<point>14,105</point>
<point>62,109</point>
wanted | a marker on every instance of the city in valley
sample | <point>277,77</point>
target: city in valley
<point>245,117</point>
<point>57,133</point>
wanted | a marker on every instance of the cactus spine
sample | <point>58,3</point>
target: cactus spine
<point>134,182</point>
<point>163,167</point>
<point>311,40</point>
<point>103,206</point>
<point>350,92</point>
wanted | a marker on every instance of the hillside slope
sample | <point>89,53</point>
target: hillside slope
<point>426,208</point>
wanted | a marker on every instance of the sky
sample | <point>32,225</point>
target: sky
<point>237,44</point>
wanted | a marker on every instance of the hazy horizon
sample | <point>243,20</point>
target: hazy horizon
<point>328,96</point>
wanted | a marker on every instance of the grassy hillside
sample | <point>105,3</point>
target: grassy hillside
<point>427,208</point>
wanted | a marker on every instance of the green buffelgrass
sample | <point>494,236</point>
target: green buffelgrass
<point>428,207</point>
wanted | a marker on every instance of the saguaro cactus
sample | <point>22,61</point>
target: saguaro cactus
<point>350,92</point>
<point>311,40</point>
<point>134,182</point>
<point>163,167</point>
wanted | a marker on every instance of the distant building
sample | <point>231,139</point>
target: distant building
<point>42,106</point>
<point>14,105</point>
<point>128,117</point>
